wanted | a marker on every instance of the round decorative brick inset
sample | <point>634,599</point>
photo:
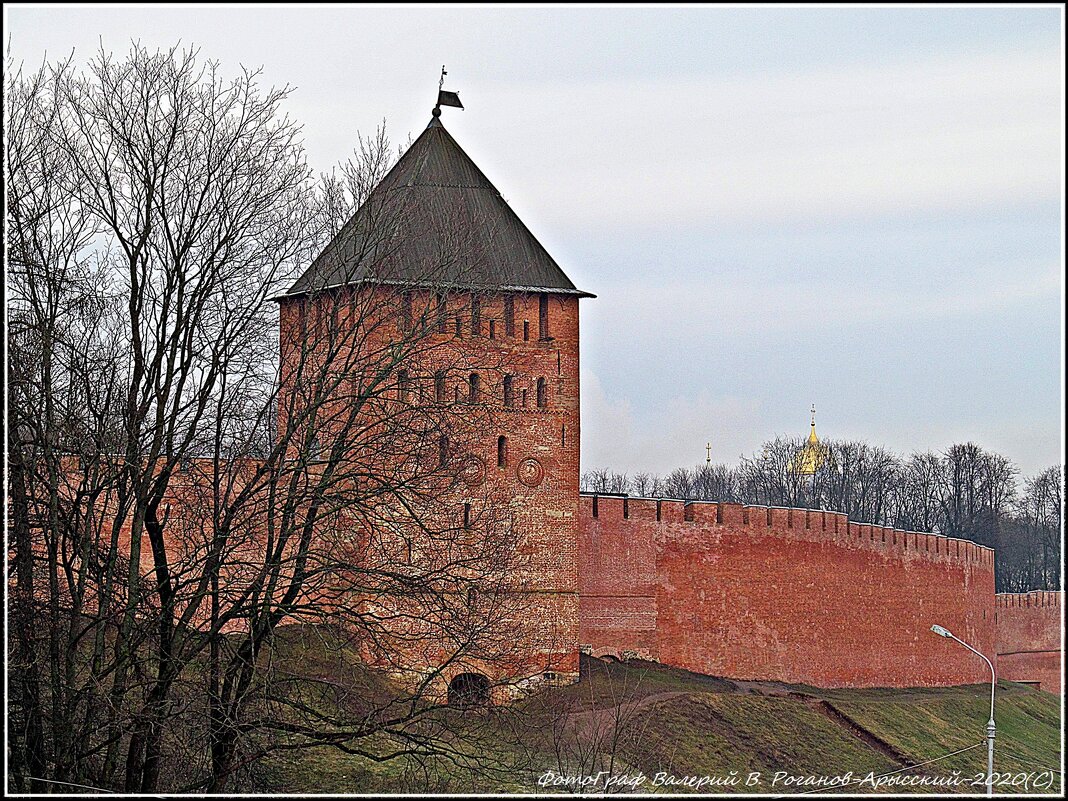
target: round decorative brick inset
<point>530,472</point>
<point>473,471</point>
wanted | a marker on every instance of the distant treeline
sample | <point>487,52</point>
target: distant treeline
<point>964,492</point>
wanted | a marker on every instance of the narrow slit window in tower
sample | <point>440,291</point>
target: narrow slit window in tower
<point>406,311</point>
<point>509,316</point>
<point>439,313</point>
<point>476,316</point>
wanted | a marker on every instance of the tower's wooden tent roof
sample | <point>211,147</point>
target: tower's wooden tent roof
<point>435,220</point>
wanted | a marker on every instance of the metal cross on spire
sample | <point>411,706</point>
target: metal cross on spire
<point>708,453</point>
<point>445,98</point>
<point>813,414</point>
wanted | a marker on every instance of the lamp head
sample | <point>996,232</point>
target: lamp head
<point>940,631</point>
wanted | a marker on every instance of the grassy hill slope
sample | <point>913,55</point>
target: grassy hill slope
<point>642,719</point>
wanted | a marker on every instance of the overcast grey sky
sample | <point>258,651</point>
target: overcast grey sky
<point>858,208</point>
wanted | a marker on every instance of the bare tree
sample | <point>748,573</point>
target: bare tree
<point>605,481</point>
<point>180,490</point>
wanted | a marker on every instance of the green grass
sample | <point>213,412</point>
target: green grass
<point>680,723</point>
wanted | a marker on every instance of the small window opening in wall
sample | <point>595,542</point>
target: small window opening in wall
<point>523,397</point>
<point>493,329</point>
<point>502,451</point>
<point>595,506</point>
<point>469,690</point>
<point>543,316</point>
<point>509,391</point>
<point>439,386</point>
<point>476,316</point>
<point>526,330</point>
<point>542,398</point>
<point>558,363</point>
<point>467,515</point>
<point>403,385</point>
<point>472,388</point>
<point>769,517</point>
<point>456,394</point>
<point>509,316</point>
<point>563,435</point>
<point>719,513</point>
<point>549,675</point>
<point>626,508</point>
<point>459,326</point>
<point>443,450</point>
<point>439,313</point>
<point>658,503</point>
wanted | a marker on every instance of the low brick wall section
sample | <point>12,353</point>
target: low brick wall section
<point>791,595</point>
<point>1029,642</point>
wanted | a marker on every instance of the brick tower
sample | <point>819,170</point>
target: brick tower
<point>440,250</point>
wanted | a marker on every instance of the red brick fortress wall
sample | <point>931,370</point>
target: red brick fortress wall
<point>781,594</point>
<point>1029,633</point>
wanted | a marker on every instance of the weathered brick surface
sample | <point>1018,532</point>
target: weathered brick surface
<point>1029,633</point>
<point>538,481</point>
<point>783,594</point>
<point>744,592</point>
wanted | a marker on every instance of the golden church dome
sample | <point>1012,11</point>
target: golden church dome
<point>812,454</point>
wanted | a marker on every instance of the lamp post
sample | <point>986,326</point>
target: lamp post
<point>944,632</point>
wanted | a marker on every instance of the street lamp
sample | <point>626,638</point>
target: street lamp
<point>944,632</point>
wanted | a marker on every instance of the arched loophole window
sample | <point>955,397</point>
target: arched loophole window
<point>509,391</point>
<point>502,452</point>
<point>468,690</point>
<point>472,388</point>
<point>439,386</point>
<point>542,394</point>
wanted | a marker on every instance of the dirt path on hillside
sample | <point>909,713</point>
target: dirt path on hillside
<point>593,721</point>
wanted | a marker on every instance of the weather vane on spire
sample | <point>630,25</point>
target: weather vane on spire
<point>445,98</point>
